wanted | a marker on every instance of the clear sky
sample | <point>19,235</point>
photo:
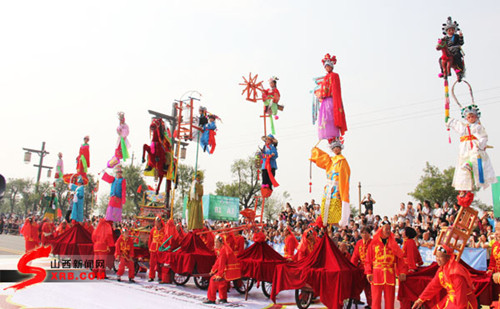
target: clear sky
<point>67,68</point>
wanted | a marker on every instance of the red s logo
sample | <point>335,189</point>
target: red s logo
<point>22,267</point>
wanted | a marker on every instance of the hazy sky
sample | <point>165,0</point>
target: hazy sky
<point>67,68</point>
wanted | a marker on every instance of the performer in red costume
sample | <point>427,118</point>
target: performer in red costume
<point>63,227</point>
<point>494,266</point>
<point>102,237</point>
<point>452,277</point>
<point>173,242</point>
<point>239,243</point>
<point>331,119</point>
<point>156,238</point>
<point>358,258</point>
<point>124,251</point>
<point>83,159</point>
<point>291,244</point>
<point>306,244</point>
<point>48,231</point>
<point>410,249</point>
<point>30,234</point>
<point>384,260</point>
<point>225,269</point>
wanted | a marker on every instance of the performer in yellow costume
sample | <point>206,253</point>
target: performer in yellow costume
<point>335,207</point>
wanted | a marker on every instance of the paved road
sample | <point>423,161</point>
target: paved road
<point>11,244</point>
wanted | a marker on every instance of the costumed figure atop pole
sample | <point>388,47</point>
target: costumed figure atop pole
<point>83,159</point>
<point>59,167</point>
<point>271,97</point>
<point>79,195</point>
<point>159,152</point>
<point>335,208</point>
<point>454,278</point>
<point>195,203</point>
<point>121,151</point>
<point>50,203</point>
<point>117,196</point>
<point>451,47</point>
<point>207,140</point>
<point>269,153</point>
<point>473,169</point>
<point>331,121</point>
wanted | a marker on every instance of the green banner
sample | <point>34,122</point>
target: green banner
<point>495,190</point>
<point>216,207</point>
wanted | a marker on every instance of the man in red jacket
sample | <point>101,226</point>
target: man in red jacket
<point>225,269</point>
<point>48,230</point>
<point>172,242</point>
<point>452,277</point>
<point>384,260</point>
<point>124,251</point>
<point>156,237</point>
<point>359,258</point>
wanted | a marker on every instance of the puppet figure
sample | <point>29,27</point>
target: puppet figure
<point>207,140</point>
<point>451,47</point>
<point>335,208</point>
<point>473,169</point>
<point>268,167</point>
<point>121,151</point>
<point>331,121</point>
<point>83,159</point>
<point>117,196</point>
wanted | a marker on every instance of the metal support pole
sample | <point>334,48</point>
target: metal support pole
<point>359,196</point>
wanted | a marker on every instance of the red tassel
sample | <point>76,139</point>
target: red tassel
<point>310,187</point>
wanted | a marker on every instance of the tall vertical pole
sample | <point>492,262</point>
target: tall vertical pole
<point>359,196</point>
<point>42,154</point>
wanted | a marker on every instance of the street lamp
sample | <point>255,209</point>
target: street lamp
<point>27,157</point>
<point>42,153</point>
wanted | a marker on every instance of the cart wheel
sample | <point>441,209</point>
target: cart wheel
<point>202,282</point>
<point>180,279</point>
<point>303,298</point>
<point>240,285</point>
<point>267,288</point>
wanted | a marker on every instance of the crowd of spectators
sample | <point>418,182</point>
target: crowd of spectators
<point>426,218</point>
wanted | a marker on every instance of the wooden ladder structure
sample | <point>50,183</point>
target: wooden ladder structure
<point>457,235</point>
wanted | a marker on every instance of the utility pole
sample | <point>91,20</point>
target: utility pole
<point>359,196</point>
<point>42,153</point>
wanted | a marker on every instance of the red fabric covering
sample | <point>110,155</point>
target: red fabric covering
<point>416,282</point>
<point>75,241</point>
<point>259,262</point>
<point>326,270</point>
<point>412,255</point>
<point>193,255</point>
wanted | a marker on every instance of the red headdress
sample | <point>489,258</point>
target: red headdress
<point>329,60</point>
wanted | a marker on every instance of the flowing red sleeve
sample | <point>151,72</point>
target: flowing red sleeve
<point>338,106</point>
<point>108,178</point>
<point>117,247</point>
<point>493,262</point>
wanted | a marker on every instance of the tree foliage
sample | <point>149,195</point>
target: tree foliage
<point>435,185</point>
<point>246,182</point>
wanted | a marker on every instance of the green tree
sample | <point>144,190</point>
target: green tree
<point>134,177</point>
<point>246,181</point>
<point>13,192</point>
<point>274,205</point>
<point>435,185</point>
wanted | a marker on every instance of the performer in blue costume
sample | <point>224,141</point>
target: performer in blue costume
<point>117,196</point>
<point>268,155</point>
<point>207,140</point>
<point>77,211</point>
